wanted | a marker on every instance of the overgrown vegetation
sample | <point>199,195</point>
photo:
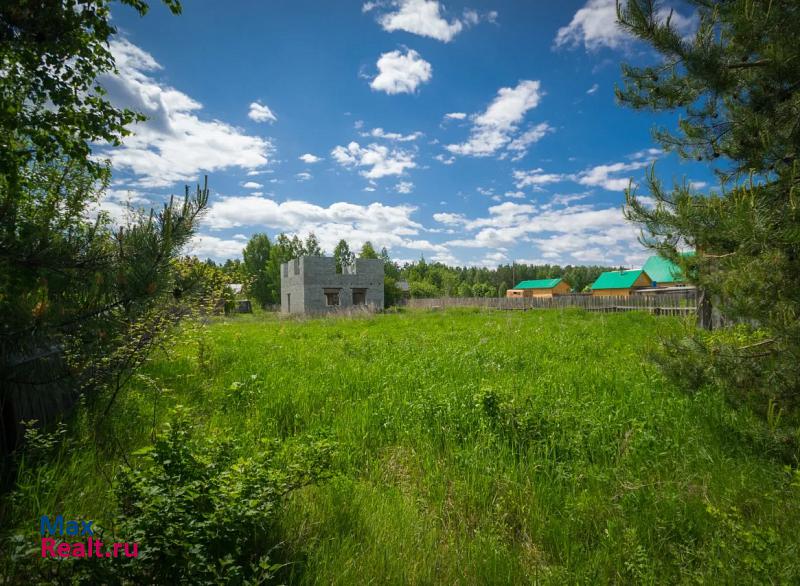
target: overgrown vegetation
<point>82,300</point>
<point>480,447</point>
<point>262,260</point>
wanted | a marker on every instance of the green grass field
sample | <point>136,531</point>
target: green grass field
<point>472,447</point>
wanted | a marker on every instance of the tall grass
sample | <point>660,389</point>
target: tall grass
<point>474,447</point>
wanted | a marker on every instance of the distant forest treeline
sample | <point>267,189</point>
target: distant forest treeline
<point>260,271</point>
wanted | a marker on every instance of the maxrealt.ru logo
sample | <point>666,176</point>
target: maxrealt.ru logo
<point>91,547</point>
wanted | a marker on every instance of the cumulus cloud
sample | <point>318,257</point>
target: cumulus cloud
<point>395,136</point>
<point>309,158</point>
<point>383,225</point>
<point>206,246</point>
<point>450,218</point>
<point>574,233</point>
<point>175,144</point>
<point>536,178</point>
<point>425,18</point>
<point>404,187</point>
<point>521,143</point>
<point>611,177</point>
<point>378,160</point>
<point>455,115</point>
<point>304,176</point>
<point>497,127</point>
<point>595,26</point>
<point>400,72</point>
<point>261,113</point>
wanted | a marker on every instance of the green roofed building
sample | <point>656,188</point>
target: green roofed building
<point>539,288</point>
<point>621,282</point>
<point>664,273</point>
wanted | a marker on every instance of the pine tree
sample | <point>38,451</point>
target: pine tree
<point>312,246</point>
<point>737,84</point>
<point>81,301</point>
<point>367,251</point>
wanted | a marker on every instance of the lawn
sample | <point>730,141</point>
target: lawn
<point>471,447</point>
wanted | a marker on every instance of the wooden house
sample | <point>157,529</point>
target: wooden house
<point>620,282</point>
<point>663,272</point>
<point>540,288</point>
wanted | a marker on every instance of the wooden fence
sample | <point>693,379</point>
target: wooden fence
<point>683,303</point>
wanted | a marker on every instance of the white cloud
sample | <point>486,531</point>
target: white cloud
<point>401,73</point>
<point>261,113</point>
<point>595,26</point>
<point>577,233</point>
<point>304,176</point>
<point>562,199</point>
<point>424,18</point>
<point>527,138</point>
<point>383,225</point>
<point>446,258</point>
<point>651,153</point>
<point>444,160</point>
<point>497,126</point>
<point>593,89</point>
<point>395,136</point>
<point>536,178</point>
<point>379,159</point>
<point>515,194</point>
<point>404,187</point>
<point>450,219</point>
<point>607,176</point>
<point>493,259</point>
<point>174,145</point>
<point>251,185</point>
<point>309,158</point>
<point>455,115</point>
<point>205,246</point>
<point>612,176</point>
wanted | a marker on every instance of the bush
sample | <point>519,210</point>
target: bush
<point>752,371</point>
<point>202,511</point>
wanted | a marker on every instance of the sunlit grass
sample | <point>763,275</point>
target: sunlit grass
<point>475,447</point>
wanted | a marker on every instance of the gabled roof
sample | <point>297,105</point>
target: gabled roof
<point>662,270</point>
<point>617,279</point>
<point>538,284</point>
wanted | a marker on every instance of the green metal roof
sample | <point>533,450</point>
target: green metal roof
<point>617,279</point>
<point>662,270</point>
<point>538,284</point>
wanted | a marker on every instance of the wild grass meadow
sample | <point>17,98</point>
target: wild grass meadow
<point>466,447</point>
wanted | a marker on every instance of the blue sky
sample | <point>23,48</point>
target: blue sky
<point>474,133</point>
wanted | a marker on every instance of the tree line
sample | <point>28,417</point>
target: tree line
<point>259,271</point>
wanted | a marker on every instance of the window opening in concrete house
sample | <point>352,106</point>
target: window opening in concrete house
<point>331,297</point>
<point>359,296</point>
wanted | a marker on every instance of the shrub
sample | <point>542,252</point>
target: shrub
<point>201,511</point>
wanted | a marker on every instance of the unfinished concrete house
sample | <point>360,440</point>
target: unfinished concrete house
<point>311,285</point>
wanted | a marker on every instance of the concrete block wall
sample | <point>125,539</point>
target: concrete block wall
<point>292,290</point>
<point>304,280</point>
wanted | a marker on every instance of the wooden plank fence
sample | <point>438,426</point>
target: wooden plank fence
<point>681,303</point>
